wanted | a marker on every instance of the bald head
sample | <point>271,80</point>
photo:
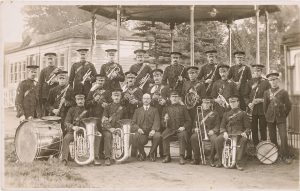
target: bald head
<point>146,99</point>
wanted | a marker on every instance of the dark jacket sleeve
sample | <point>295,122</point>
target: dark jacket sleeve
<point>156,122</point>
<point>93,74</point>
<point>246,123</point>
<point>72,75</point>
<point>165,77</point>
<point>247,93</point>
<point>287,103</point>
<point>201,74</point>
<point>214,92</point>
<point>41,82</point>
<point>217,122</point>
<point>50,101</point>
<point>19,100</point>
<point>69,120</point>
<point>90,100</point>
<point>223,123</point>
<point>248,75</point>
<point>120,77</point>
<point>187,119</point>
<point>266,101</point>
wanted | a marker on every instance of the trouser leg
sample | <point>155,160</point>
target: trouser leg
<point>241,149</point>
<point>195,146</point>
<point>254,129</point>
<point>65,145</point>
<point>213,150</point>
<point>97,146</point>
<point>272,133</point>
<point>263,127</point>
<point>140,141</point>
<point>219,147</point>
<point>182,138</point>
<point>283,139</point>
<point>156,140</point>
<point>166,146</point>
<point>107,136</point>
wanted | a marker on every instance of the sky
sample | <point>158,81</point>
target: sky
<point>12,22</point>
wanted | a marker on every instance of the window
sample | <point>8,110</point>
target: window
<point>24,70</point>
<point>16,72</point>
<point>19,71</point>
<point>11,72</point>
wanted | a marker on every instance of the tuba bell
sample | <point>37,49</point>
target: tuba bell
<point>191,98</point>
<point>229,152</point>
<point>120,141</point>
<point>84,138</point>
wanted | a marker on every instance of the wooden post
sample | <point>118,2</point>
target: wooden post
<point>118,31</point>
<point>268,41</point>
<point>229,43</point>
<point>257,34</point>
<point>93,36</point>
<point>172,26</point>
<point>192,37</point>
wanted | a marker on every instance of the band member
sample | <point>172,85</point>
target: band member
<point>47,80</point>
<point>82,74</point>
<point>173,74</point>
<point>211,120</point>
<point>147,120</point>
<point>72,123</point>
<point>112,113</point>
<point>240,73</point>
<point>277,107</point>
<point>112,70</point>
<point>222,89</point>
<point>234,123</point>
<point>27,101</point>
<point>177,121</point>
<point>61,98</point>
<point>142,70</point>
<point>254,100</point>
<point>194,91</point>
<point>132,96</point>
<point>209,72</point>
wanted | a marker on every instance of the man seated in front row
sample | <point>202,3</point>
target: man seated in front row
<point>72,122</point>
<point>147,120</point>
<point>234,123</point>
<point>111,115</point>
<point>176,119</point>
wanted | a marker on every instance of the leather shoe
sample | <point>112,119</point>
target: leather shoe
<point>97,162</point>
<point>152,157</point>
<point>167,159</point>
<point>195,162</point>
<point>212,164</point>
<point>65,162</point>
<point>219,165</point>
<point>239,167</point>
<point>181,160</point>
<point>107,162</point>
<point>188,157</point>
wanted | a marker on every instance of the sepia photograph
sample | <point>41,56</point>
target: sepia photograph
<point>149,95</point>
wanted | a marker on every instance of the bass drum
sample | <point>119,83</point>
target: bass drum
<point>266,152</point>
<point>38,139</point>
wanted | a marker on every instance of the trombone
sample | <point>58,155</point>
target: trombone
<point>199,134</point>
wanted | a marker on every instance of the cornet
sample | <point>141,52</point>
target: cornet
<point>224,102</point>
<point>86,75</point>
<point>49,82</point>
<point>144,81</point>
<point>114,70</point>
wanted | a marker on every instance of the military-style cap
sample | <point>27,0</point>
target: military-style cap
<point>192,68</point>
<point>139,51</point>
<point>130,74</point>
<point>82,50</point>
<point>50,54</point>
<point>174,93</point>
<point>61,72</point>
<point>273,74</point>
<point>111,50</point>
<point>257,66</point>
<point>78,96</point>
<point>176,53</point>
<point>32,66</point>
<point>212,51</point>
<point>116,91</point>
<point>239,52</point>
<point>233,97</point>
<point>224,66</point>
<point>100,75</point>
<point>157,70</point>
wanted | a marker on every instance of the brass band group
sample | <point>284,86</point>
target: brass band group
<point>216,103</point>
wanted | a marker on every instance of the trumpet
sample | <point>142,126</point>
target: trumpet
<point>86,75</point>
<point>114,70</point>
<point>49,82</point>
<point>144,81</point>
<point>224,102</point>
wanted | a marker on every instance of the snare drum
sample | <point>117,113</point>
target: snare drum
<point>38,139</point>
<point>266,152</point>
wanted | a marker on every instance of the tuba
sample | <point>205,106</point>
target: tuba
<point>120,141</point>
<point>84,138</point>
<point>229,152</point>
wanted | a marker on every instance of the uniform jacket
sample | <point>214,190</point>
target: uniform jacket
<point>156,91</point>
<point>112,83</point>
<point>27,100</point>
<point>74,115</point>
<point>55,97</point>
<point>256,86</point>
<point>206,72</point>
<point>146,70</point>
<point>170,76</point>
<point>147,120</point>
<point>235,72</point>
<point>212,121</point>
<point>116,111</point>
<point>178,117</point>
<point>45,75</point>
<point>78,70</point>
<point>277,107</point>
<point>235,122</point>
<point>135,92</point>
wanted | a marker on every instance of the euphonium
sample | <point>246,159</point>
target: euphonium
<point>191,98</point>
<point>84,139</point>
<point>229,152</point>
<point>120,141</point>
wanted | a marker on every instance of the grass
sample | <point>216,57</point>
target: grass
<point>38,174</point>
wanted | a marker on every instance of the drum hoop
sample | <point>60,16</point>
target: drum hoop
<point>263,157</point>
<point>51,118</point>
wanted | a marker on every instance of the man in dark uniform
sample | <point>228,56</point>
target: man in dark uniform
<point>72,122</point>
<point>132,96</point>
<point>111,115</point>
<point>173,74</point>
<point>277,107</point>
<point>147,122</point>
<point>177,121</point>
<point>240,73</point>
<point>142,69</point>
<point>211,120</point>
<point>209,72</point>
<point>82,74</point>
<point>222,90</point>
<point>61,98</point>
<point>27,100</point>
<point>192,91</point>
<point>47,81</point>
<point>254,100</point>
<point>112,70</point>
<point>234,123</point>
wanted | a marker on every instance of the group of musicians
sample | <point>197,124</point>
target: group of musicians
<point>215,100</point>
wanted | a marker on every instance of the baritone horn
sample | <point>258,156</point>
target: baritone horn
<point>229,152</point>
<point>114,70</point>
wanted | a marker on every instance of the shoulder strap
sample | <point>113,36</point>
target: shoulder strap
<point>141,69</point>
